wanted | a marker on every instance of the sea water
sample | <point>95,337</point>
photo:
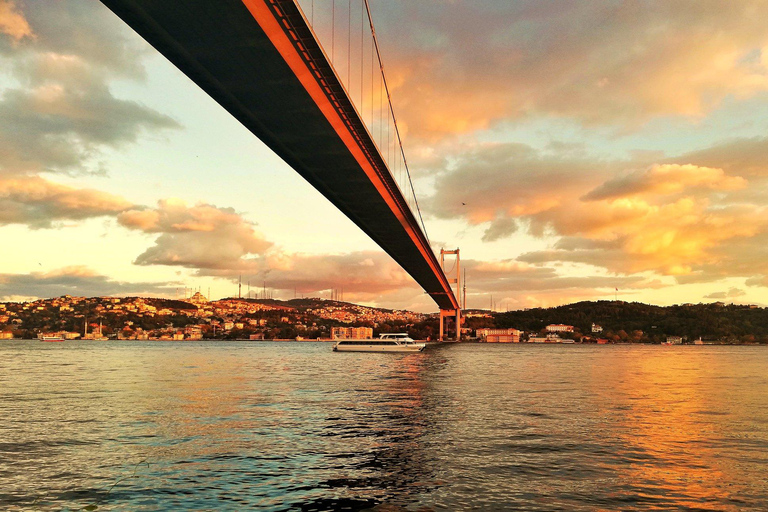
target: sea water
<point>117,425</point>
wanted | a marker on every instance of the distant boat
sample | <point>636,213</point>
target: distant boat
<point>550,338</point>
<point>50,337</point>
<point>392,342</point>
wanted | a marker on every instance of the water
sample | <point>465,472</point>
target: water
<point>294,426</point>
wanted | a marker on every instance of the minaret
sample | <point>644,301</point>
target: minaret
<point>464,300</point>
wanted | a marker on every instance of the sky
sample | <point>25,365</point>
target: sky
<point>571,150</point>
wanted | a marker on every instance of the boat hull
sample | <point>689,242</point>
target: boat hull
<point>411,347</point>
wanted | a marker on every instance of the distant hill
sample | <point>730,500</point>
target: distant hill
<point>709,321</point>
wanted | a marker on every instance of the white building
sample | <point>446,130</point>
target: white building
<point>559,328</point>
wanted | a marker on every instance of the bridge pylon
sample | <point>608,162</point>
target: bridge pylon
<point>452,312</point>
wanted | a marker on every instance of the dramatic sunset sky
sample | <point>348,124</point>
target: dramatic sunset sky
<point>568,148</point>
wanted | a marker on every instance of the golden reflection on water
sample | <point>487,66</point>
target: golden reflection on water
<point>679,424</point>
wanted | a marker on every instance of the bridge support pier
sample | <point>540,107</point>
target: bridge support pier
<point>447,313</point>
<point>452,280</point>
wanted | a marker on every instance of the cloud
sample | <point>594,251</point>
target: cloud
<point>488,182</point>
<point>516,284</point>
<point>760,280</point>
<point>599,63</point>
<point>627,216</point>
<point>12,22</point>
<point>665,179</point>
<point>513,276</point>
<point>744,156</point>
<point>730,294</point>
<point>64,117</point>
<point>672,239</point>
<point>76,280</point>
<point>81,28</point>
<point>500,228</point>
<point>740,257</point>
<point>219,242</point>
<point>368,276</point>
<point>38,202</point>
<point>363,273</point>
<point>202,236</point>
<point>62,113</point>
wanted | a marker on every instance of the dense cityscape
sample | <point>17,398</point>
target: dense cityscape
<point>196,318</point>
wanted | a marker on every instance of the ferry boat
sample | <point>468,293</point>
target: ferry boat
<point>390,342</point>
<point>50,337</point>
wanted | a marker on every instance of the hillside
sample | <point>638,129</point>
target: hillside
<point>708,321</point>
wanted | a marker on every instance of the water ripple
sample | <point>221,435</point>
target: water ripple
<point>276,426</point>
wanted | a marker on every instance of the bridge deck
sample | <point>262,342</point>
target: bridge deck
<point>261,62</point>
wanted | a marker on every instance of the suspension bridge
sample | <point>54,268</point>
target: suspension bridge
<point>325,109</point>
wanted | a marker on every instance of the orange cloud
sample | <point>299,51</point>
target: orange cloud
<point>670,238</point>
<point>202,236</point>
<point>12,22</point>
<point>760,280</point>
<point>74,280</point>
<point>39,202</point>
<point>657,60</point>
<point>666,179</point>
<point>670,218</point>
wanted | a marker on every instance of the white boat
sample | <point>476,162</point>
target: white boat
<point>391,342</point>
<point>50,337</point>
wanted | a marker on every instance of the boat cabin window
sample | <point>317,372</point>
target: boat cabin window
<point>366,342</point>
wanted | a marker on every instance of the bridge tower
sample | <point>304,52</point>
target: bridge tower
<point>450,312</point>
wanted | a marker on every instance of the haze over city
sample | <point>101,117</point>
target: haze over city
<point>573,151</point>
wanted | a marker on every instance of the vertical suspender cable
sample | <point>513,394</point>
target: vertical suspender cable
<point>381,111</point>
<point>397,130</point>
<point>362,54</point>
<point>372,86</point>
<point>388,157</point>
<point>349,44</point>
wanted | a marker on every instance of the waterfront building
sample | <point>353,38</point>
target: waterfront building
<point>499,335</point>
<point>559,328</point>
<point>193,332</point>
<point>596,328</point>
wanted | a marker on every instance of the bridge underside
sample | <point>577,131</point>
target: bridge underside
<point>259,60</point>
